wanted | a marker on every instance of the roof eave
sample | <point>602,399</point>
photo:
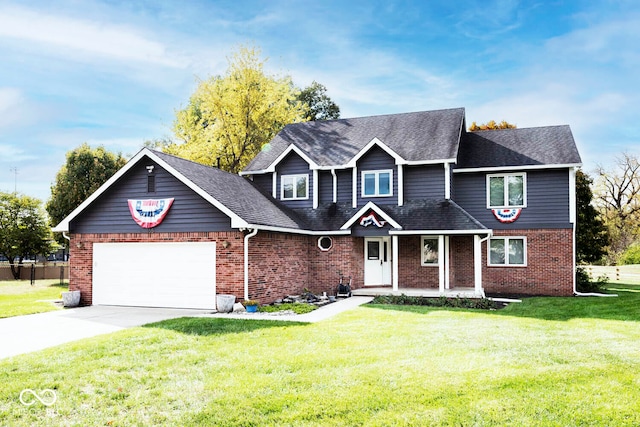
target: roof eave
<point>515,167</point>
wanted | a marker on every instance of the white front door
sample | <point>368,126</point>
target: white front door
<point>377,261</point>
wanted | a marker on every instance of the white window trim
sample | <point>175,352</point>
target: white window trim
<point>506,189</point>
<point>320,246</point>
<point>422,239</point>
<point>295,178</point>
<point>377,174</point>
<point>506,255</point>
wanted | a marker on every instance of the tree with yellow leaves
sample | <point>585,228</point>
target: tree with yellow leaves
<point>491,125</point>
<point>230,118</point>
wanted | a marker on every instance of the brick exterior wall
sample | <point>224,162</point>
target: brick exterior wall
<point>345,258</point>
<point>461,261</point>
<point>549,268</point>
<point>278,266</point>
<point>282,264</point>
<point>411,272</point>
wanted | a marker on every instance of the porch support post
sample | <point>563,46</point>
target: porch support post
<point>477,265</point>
<point>441,264</point>
<point>394,262</point>
<point>447,265</point>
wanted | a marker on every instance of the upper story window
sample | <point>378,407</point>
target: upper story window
<point>377,183</point>
<point>507,190</point>
<point>294,187</point>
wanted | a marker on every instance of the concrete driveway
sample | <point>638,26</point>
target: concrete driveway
<point>24,334</point>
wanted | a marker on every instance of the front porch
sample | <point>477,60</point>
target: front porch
<point>458,292</point>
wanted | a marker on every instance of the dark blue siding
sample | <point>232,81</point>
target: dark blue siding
<point>424,182</point>
<point>377,159</point>
<point>110,212</point>
<point>295,165</point>
<point>264,182</point>
<point>325,187</point>
<point>547,200</point>
<point>345,185</point>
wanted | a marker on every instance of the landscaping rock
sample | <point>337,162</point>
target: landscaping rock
<point>238,308</point>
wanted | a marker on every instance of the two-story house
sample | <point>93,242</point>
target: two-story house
<point>398,202</point>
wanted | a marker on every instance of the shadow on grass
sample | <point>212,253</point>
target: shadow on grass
<point>625,307</point>
<point>206,326</point>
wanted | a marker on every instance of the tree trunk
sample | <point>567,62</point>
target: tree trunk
<point>15,270</point>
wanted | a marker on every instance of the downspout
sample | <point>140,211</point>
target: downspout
<point>574,219</point>
<point>246,261</point>
<point>64,234</point>
<point>575,289</point>
<point>477,262</point>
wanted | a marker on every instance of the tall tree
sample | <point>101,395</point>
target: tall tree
<point>592,236</point>
<point>85,170</point>
<point>491,125</point>
<point>320,106</point>
<point>231,117</point>
<point>24,229</point>
<point>618,201</point>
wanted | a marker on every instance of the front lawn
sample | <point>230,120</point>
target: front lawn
<point>18,297</point>
<point>544,362</point>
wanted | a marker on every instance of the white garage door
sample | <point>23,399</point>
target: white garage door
<point>180,275</point>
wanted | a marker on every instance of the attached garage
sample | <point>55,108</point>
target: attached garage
<point>168,232</point>
<point>167,274</point>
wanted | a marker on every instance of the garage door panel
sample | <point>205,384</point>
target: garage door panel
<point>168,274</point>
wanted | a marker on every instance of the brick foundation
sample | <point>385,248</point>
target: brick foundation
<point>282,264</point>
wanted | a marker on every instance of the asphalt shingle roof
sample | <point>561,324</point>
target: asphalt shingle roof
<point>420,136</point>
<point>428,215</point>
<point>550,145</point>
<point>236,193</point>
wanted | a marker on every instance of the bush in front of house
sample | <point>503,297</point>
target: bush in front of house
<point>584,282</point>
<point>457,302</point>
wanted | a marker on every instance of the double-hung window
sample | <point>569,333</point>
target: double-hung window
<point>377,183</point>
<point>294,187</point>
<point>430,250</point>
<point>505,251</point>
<point>507,190</point>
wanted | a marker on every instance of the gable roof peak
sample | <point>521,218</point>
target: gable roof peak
<point>416,137</point>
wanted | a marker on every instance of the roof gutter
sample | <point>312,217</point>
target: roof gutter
<point>297,231</point>
<point>246,260</point>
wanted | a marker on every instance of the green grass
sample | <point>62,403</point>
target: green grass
<point>544,362</point>
<point>18,297</point>
<point>296,307</point>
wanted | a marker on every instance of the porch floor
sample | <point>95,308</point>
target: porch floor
<point>462,292</point>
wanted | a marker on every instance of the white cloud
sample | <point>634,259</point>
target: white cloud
<point>72,36</point>
<point>126,145</point>
<point>13,107</point>
<point>12,154</point>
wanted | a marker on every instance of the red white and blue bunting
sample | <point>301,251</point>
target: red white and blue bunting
<point>371,219</point>
<point>149,213</point>
<point>506,215</point>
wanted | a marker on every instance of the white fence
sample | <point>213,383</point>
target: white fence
<point>629,274</point>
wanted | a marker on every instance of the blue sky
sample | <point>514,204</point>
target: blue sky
<point>113,72</point>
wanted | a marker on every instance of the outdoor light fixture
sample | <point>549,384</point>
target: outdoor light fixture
<point>226,244</point>
<point>150,168</point>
